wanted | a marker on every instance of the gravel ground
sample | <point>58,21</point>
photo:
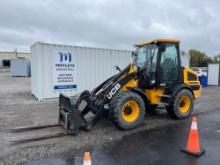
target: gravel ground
<point>19,108</point>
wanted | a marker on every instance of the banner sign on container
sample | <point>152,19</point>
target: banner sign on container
<point>64,71</point>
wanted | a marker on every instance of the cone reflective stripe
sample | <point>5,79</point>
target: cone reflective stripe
<point>87,159</point>
<point>193,144</point>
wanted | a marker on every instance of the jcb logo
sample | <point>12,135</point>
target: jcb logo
<point>113,91</point>
<point>65,57</point>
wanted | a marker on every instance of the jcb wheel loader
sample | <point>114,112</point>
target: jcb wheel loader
<point>156,77</point>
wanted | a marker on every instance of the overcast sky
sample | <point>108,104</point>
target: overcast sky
<point>109,23</point>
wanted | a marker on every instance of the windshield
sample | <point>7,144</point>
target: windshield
<point>146,56</point>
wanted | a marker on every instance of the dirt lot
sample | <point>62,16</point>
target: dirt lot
<point>19,108</point>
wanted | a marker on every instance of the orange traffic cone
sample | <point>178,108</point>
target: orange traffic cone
<point>87,159</point>
<point>193,145</point>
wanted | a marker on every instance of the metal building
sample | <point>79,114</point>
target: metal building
<point>71,69</point>
<point>214,74</point>
<point>5,57</point>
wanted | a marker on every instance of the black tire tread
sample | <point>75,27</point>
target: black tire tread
<point>115,105</point>
<point>172,109</point>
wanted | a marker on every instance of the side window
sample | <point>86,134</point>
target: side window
<point>169,65</point>
<point>141,58</point>
<point>152,62</point>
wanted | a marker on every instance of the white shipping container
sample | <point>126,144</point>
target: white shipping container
<point>214,74</point>
<point>20,67</point>
<point>91,67</point>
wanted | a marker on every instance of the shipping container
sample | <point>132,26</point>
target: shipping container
<point>66,69</point>
<point>20,67</point>
<point>213,74</point>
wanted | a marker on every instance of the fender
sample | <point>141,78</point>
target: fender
<point>141,93</point>
<point>173,91</point>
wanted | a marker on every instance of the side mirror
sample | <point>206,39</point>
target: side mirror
<point>117,68</point>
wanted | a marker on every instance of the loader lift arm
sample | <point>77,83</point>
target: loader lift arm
<point>71,113</point>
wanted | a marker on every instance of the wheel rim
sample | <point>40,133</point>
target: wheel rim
<point>184,104</point>
<point>130,111</point>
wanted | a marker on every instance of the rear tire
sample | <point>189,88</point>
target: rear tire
<point>182,105</point>
<point>128,110</point>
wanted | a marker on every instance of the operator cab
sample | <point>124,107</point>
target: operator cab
<point>158,63</point>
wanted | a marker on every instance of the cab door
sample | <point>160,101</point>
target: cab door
<point>168,70</point>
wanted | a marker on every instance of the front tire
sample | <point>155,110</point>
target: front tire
<point>128,110</point>
<point>182,105</point>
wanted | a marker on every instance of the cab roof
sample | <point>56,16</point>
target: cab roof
<point>164,40</point>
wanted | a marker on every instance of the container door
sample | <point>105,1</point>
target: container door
<point>213,74</point>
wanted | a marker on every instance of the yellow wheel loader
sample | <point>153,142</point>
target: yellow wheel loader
<point>156,77</point>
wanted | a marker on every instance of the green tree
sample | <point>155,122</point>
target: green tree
<point>217,58</point>
<point>199,59</point>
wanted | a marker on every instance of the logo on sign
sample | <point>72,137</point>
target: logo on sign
<point>65,57</point>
